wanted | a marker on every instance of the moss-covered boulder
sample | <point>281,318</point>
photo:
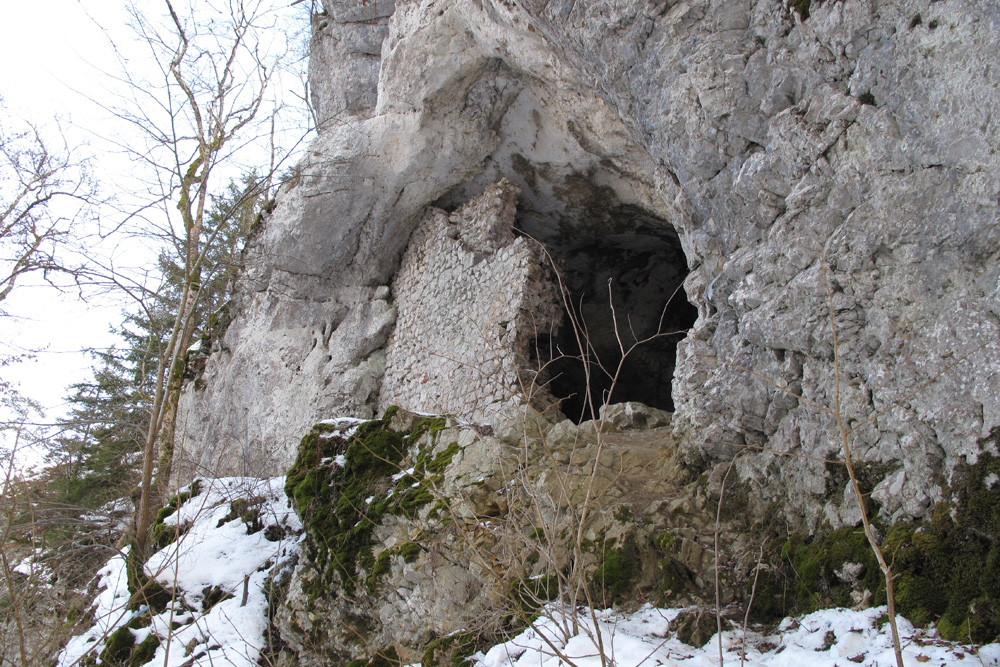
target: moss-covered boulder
<point>344,482</point>
<point>371,498</point>
<point>946,569</point>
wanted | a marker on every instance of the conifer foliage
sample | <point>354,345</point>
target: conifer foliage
<point>98,453</point>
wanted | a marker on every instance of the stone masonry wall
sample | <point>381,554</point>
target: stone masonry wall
<point>470,299</point>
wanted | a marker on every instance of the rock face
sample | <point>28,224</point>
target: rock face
<point>462,518</point>
<point>832,165</point>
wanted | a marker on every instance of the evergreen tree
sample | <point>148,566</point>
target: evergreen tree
<point>106,425</point>
<point>97,456</point>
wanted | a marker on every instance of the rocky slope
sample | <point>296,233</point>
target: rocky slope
<point>427,534</point>
<point>228,546</point>
<point>821,178</point>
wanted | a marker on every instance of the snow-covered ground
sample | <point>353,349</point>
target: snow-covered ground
<point>835,637</point>
<point>217,552</point>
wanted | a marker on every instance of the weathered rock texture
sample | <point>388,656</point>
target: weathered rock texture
<point>843,162</point>
<point>473,527</point>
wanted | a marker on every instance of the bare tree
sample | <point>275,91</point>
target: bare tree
<point>212,103</point>
<point>46,196</point>
<point>44,192</point>
<point>37,617</point>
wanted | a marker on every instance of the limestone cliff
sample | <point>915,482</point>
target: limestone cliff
<point>743,146</point>
<point>785,166</point>
<point>754,214</point>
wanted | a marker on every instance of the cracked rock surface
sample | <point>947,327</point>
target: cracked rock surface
<point>839,169</point>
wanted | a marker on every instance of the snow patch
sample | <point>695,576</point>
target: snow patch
<point>214,554</point>
<point>828,638</point>
<point>346,426</point>
<point>400,475</point>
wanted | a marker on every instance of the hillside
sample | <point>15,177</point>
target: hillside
<point>630,305</point>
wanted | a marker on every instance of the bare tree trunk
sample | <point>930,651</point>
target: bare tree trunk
<point>216,113</point>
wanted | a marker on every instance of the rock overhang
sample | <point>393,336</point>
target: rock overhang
<point>728,126</point>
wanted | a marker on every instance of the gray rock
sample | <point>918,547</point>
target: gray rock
<point>840,169</point>
<point>632,415</point>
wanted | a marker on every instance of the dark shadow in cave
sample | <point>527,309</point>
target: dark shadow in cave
<point>641,259</point>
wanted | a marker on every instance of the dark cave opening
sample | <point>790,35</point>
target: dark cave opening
<point>589,195</point>
<point>624,281</point>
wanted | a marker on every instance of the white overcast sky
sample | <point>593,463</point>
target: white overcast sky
<point>48,50</point>
<point>55,56</point>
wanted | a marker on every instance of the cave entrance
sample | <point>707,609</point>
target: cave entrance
<point>622,270</point>
<point>623,276</point>
<point>589,195</point>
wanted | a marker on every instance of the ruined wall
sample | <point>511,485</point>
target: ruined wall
<point>853,145</point>
<point>471,299</point>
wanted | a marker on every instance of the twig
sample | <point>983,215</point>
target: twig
<point>753,592</point>
<point>855,485</point>
<point>718,522</point>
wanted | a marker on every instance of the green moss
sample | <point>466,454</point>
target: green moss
<point>771,598</point>
<point>140,621</point>
<point>144,651</point>
<point>387,657</point>
<point>443,458</point>
<point>439,506</point>
<point>617,570</point>
<point>409,551</point>
<point>414,499</point>
<point>164,534</point>
<point>342,505</point>
<point>950,568</point>
<point>869,475</point>
<point>145,590</point>
<point>946,569</point>
<point>380,568</point>
<point>248,511</point>
<point>165,512</point>
<point>666,542</point>
<point>816,564</point>
<point>118,648</point>
<point>528,595</point>
<point>672,576</point>
<point>623,514</point>
<point>454,650</point>
<point>193,492</point>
